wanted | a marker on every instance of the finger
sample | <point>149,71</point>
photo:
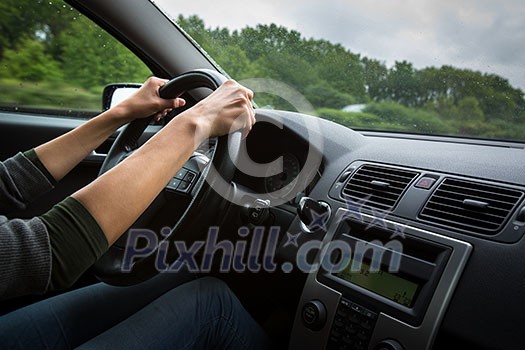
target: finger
<point>246,130</point>
<point>176,103</point>
<point>249,93</point>
<point>251,114</point>
<point>245,133</point>
<point>171,104</point>
<point>249,121</point>
<point>155,81</point>
<point>180,102</point>
<point>252,117</point>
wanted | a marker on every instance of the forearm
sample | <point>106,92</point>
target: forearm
<point>62,154</point>
<point>118,198</point>
<point>129,188</point>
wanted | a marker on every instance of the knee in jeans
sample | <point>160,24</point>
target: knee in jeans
<point>216,291</point>
<point>214,286</point>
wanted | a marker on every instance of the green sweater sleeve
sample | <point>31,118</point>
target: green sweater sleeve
<point>33,157</point>
<point>77,241</point>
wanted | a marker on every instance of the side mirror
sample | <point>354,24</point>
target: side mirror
<point>113,94</point>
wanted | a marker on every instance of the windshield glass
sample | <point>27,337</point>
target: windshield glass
<point>440,67</point>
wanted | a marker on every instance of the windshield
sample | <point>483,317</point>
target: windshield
<point>440,67</point>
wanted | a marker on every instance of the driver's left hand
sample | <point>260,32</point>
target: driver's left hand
<point>146,102</point>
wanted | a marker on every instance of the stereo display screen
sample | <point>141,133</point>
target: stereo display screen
<point>386,284</point>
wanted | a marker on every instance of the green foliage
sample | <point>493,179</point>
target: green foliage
<point>92,58</point>
<point>323,95</point>
<point>399,117</point>
<point>402,85</point>
<point>49,95</point>
<point>356,120</point>
<point>52,56</point>
<point>441,100</point>
<point>375,74</point>
<point>28,61</point>
<point>49,54</point>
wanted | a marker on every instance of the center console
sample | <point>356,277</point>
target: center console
<point>378,285</point>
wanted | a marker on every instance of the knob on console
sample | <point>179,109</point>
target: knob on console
<point>388,344</point>
<point>314,214</point>
<point>314,315</point>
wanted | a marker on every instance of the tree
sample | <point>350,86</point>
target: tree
<point>469,116</point>
<point>103,59</point>
<point>398,117</point>
<point>375,74</point>
<point>402,84</point>
<point>28,61</point>
<point>195,28</point>
<point>322,95</point>
<point>35,19</point>
<point>342,70</point>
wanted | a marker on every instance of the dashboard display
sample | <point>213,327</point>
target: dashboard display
<point>386,284</point>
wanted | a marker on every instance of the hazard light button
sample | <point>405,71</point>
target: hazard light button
<point>425,182</point>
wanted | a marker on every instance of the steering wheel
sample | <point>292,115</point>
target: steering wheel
<point>194,183</point>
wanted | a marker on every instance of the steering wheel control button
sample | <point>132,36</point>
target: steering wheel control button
<point>426,183</point>
<point>184,186</point>
<point>174,183</point>
<point>190,176</point>
<point>181,174</point>
<point>182,181</point>
<point>314,315</point>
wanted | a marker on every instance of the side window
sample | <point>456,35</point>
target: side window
<point>55,61</point>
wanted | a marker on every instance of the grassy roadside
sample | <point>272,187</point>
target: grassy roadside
<point>49,95</point>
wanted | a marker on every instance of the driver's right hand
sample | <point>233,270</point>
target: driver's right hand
<point>227,109</point>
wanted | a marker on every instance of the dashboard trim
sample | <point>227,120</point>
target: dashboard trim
<point>387,327</point>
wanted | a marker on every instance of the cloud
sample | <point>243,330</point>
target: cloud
<point>481,35</point>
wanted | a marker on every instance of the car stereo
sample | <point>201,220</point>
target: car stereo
<point>379,285</point>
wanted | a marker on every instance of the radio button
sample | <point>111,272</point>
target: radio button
<point>348,341</point>
<point>353,317</point>
<point>342,312</point>
<point>351,328</point>
<point>369,314</point>
<point>357,308</point>
<point>360,345</point>
<point>362,334</point>
<point>367,325</point>
<point>352,331</point>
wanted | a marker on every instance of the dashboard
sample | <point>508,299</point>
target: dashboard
<point>449,213</point>
<point>285,158</point>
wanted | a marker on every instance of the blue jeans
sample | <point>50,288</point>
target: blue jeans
<point>201,314</point>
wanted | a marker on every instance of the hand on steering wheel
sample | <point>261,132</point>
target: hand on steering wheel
<point>147,101</point>
<point>224,111</point>
<point>227,109</point>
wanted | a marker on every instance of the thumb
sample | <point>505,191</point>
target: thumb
<point>175,103</point>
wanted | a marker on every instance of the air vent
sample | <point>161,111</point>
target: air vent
<point>380,186</point>
<point>470,206</point>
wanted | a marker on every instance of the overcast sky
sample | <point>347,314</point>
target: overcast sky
<point>484,35</point>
